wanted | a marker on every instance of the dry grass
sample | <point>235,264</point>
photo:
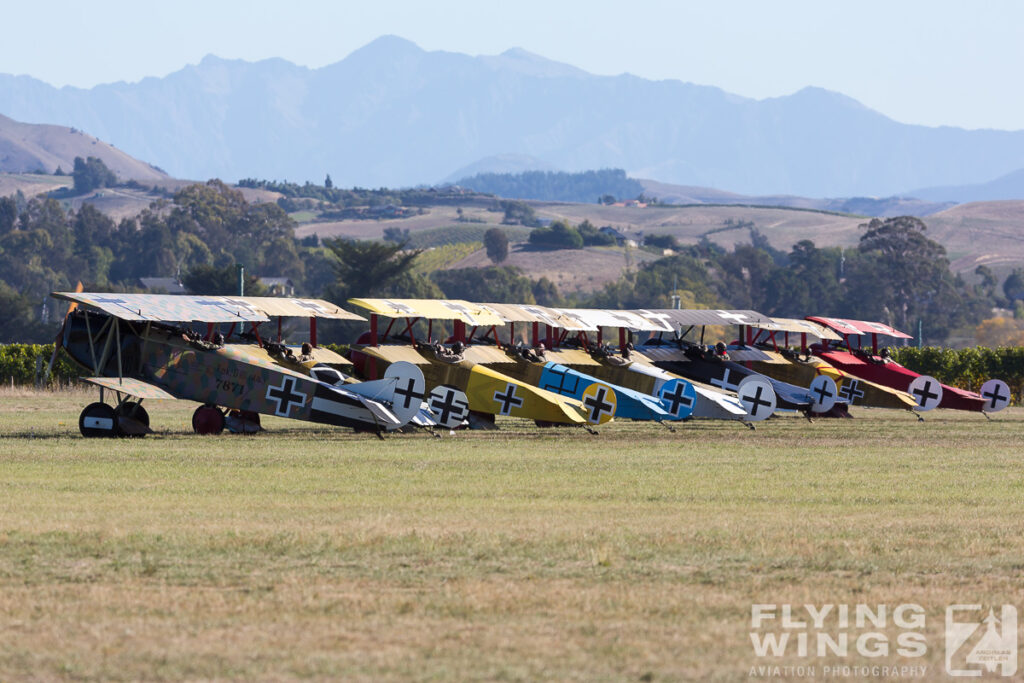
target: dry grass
<point>977,233</point>
<point>521,554</point>
<point>573,271</point>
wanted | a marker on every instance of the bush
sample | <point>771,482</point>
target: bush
<point>592,237</point>
<point>91,173</point>
<point>18,364</point>
<point>496,243</point>
<point>967,368</point>
<point>661,241</point>
<point>560,235</point>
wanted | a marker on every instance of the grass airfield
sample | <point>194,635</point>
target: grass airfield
<point>528,553</point>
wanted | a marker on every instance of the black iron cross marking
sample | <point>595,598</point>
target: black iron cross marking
<point>508,399</point>
<point>851,390</point>
<point>285,395</point>
<point>924,394</point>
<point>562,373</point>
<point>448,407</point>
<point>677,398</point>
<point>598,406</point>
<point>409,393</point>
<point>996,397</point>
<point>757,401</point>
<point>724,381</point>
<point>822,392</point>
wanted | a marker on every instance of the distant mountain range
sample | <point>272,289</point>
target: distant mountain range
<point>392,114</point>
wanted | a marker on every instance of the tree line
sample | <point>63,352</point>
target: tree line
<point>895,274</point>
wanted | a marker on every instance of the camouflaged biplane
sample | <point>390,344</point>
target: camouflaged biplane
<point>137,347</point>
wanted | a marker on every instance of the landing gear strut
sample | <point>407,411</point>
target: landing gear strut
<point>127,418</point>
<point>132,419</point>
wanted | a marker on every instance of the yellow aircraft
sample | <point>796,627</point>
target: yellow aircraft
<point>777,360</point>
<point>550,328</point>
<point>456,375</point>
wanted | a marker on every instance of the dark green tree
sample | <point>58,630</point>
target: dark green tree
<point>518,213</point>
<point>396,235</point>
<point>8,214</point>
<point>496,244</point>
<point>746,279</point>
<point>902,277</point>
<point>208,279</point>
<point>592,237</point>
<point>809,285</point>
<point>546,293</point>
<point>661,241</point>
<point>91,173</point>
<point>560,235</point>
<point>1013,285</point>
<point>495,284</point>
<point>651,286</point>
<point>366,268</point>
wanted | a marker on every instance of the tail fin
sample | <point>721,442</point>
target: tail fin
<point>402,389</point>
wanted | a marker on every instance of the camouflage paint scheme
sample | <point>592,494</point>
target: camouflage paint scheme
<point>239,376</point>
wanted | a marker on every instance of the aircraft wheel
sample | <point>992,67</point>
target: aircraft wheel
<point>242,422</point>
<point>98,420</point>
<point>208,420</point>
<point>131,412</point>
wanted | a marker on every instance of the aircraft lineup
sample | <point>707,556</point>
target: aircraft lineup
<point>555,366</point>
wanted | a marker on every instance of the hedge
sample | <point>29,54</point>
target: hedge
<point>18,364</point>
<point>967,368</point>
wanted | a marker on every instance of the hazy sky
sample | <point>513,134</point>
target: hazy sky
<point>932,62</point>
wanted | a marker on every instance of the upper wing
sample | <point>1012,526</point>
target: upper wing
<point>798,326</point>
<point>858,327</point>
<point>295,308</point>
<point>705,316</point>
<point>207,309</point>
<point>533,313</point>
<point>168,307</point>
<point>432,309</point>
<point>603,317</point>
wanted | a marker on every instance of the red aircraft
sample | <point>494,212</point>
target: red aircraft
<point>875,366</point>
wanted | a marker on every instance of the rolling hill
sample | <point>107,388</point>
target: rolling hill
<point>1009,186</point>
<point>867,206</point>
<point>31,148</point>
<point>982,233</point>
